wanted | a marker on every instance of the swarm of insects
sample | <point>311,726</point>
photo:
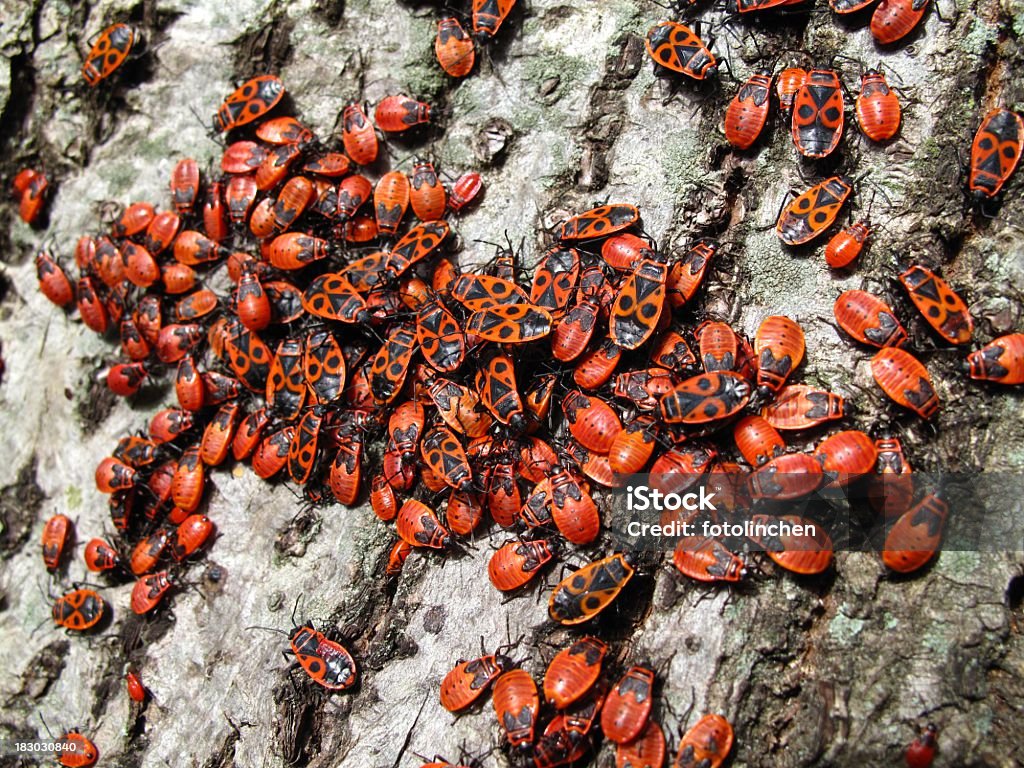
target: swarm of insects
<point>504,406</point>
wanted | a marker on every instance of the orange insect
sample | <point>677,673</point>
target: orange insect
<point>894,19</point>
<point>418,526</point>
<point>294,198</point>
<point>345,474</point>
<point>805,550</point>
<point>399,113</point>
<point>192,533</point>
<point>705,397</point>
<point>353,192</point>
<point>161,232</point>
<point>813,212</point>
<point>189,480</point>
<point>57,532</point>
<point>676,47</point>
<point>573,509</point>
<point>469,680</point>
<point>646,751</point>
<point>482,292</point>
<point>944,310</point>
<point>30,187</point>
<point>136,690</point>
<point>215,222</point>
<point>100,556</point>
<point>817,118</point>
<point>465,191</point>
<point>633,447</point>
<point>628,705</point>
<point>591,421</point>
<point>333,165</point>
<point>585,593</point>
<point>878,108</point>
<point>91,309</point>
<point>440,337</point>
<point>426,194</point>
<point>358,136</point>
<point>140,267</point>
<point>275,167</point>
<point>757,440</point>
<point>149,590</point>
<point>576,327</point>
<point>995,152</point>
<point>218,435</point>
<point>250,101</point>
<point>391,365</point>
<point>464,513</point>
<point>626,251</point>
<point>242,157</point>
<point>285,130</point>
<point>790,81</point>
<point>249,434</point>
<point>400,552</point>
<point>845,457</point>
<point>113,475</point>
<point>390,201</point>
<point>554,279</point>
<point>706,745</point>
<point>272,454</point>
<point>718,345</point>
<point>517,704</point>
<point>747,113</point>
<point>1001,360</point>
<point>53,282</point>
<point>905,380</point>
<point>383,498</point>
<point>454,48</point>
<point>573,671</point>
<point>446,457</point>
<point>914,538</point>
<point>516,563</point>
<point>638,305</point>
<point>779,347</point>
<point>869,320</point>
<point>598,222</point>
<point>891,488</point>
<point>286,386</point>
<point>109,52</point>
<point>302,451</point>
<point>489,15</point>
<point>499,394</point>
<point>510,323</point>
<point>501,491</point>
<point>786,477</point>
<point>707,560</point>
<point>846,245</point>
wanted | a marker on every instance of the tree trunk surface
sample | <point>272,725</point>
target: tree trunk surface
<point>563,114</point>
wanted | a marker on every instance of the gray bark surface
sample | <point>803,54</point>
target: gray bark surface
<point>837,672</point>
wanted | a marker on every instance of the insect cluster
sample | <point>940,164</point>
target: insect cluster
<point>580,696</point>
<point>316,331</point>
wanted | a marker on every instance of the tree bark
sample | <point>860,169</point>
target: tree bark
<point>563,112</point>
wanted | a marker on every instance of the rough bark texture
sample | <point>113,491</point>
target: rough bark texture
<point>839,672</point>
